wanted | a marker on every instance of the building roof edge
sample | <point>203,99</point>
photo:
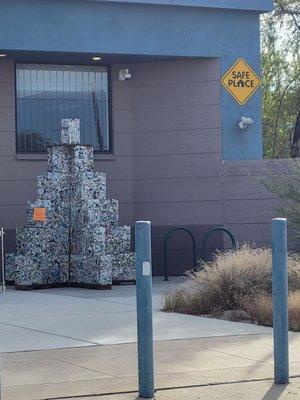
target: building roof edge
<point>246,5</point>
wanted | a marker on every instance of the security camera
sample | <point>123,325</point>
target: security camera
<point>245,122</point>
<point>124,74</point>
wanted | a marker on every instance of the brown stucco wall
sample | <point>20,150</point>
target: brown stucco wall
<point>167,163</point>
<point>248,205</point>
<point>177,146</point>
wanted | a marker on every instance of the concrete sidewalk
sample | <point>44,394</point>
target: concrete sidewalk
<point>100,370</point>
<point>263,390</point>
<point>68,317</point>
<point>68,342</point>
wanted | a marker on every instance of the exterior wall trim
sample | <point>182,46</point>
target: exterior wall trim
<point>249,5</point>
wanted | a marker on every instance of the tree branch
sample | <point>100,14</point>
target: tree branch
<point>292,12</point>
<point>286,9</point>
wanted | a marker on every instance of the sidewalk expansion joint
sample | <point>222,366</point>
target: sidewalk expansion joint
<point>164,388</point>
<point>87,368</point>
<point>47,333</point>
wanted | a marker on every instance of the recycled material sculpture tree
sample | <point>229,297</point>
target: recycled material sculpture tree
<point>72,236</point>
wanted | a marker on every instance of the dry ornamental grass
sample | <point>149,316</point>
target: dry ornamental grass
<point>236,285</point>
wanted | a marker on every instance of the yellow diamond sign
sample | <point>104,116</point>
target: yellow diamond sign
<point>241,81</point>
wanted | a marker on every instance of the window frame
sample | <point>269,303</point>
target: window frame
<point>109,108</point>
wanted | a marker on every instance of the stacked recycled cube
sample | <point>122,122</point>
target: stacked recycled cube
<point>72,236</point>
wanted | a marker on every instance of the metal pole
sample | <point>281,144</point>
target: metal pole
<point>144,308</point>
<point>280,300</point>
<point>2,261</point>
<point>0,376</point>
<point>3,291</point>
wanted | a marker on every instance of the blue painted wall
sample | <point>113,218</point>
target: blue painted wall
<point>118,28</point>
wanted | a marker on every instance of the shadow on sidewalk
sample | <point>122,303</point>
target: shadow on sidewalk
<point>274,392</point>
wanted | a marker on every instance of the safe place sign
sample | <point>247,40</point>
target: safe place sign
<point>241,81</point>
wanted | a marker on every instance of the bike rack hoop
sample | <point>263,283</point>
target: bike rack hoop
<point>166,240</point>
<point>217,229</point>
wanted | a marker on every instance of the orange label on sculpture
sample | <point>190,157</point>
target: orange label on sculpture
<point>39,214</point>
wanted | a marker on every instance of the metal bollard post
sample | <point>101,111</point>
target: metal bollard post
<point>144,308</point>
<point>3,291</point>
<point>280,300</point>
<point>0,377</point>
<point>2,261</point>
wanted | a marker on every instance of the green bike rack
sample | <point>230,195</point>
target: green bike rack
<point>220,228</point>
<point>166,240</point>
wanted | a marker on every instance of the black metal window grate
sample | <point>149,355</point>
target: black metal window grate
<point>48,93</point>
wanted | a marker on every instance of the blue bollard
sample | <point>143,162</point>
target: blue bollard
<point>144,308</point>
<point>280,300</point>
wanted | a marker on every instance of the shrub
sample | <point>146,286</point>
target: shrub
<point>236,285</point>
<point>294,311</point>
<point>260,310</point>
<point>287,187</point>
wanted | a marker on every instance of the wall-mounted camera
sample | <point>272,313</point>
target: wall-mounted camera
<point>124,74</point>
<point>245,123</point>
